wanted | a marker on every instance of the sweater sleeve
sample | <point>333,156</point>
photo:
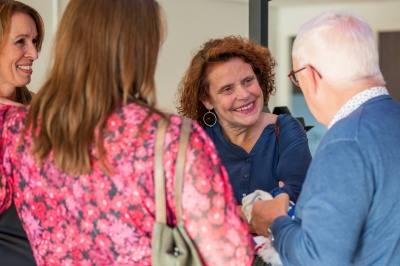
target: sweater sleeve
<point>294,156</point>
<point>329,219</point>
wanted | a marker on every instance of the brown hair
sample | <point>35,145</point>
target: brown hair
<point>7,9</point>
<point>194,86</point>
<point>105,56</point>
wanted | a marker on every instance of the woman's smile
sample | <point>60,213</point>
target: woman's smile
<point>248,107</point>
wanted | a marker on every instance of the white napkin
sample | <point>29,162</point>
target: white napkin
<point>264,246</point>
<point>247,202</point>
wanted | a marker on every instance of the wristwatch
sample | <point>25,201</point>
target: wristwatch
<point>271,236</point>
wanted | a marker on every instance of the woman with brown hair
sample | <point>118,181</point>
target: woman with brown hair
<point>21,37</point>
<point>79,161</point>
<point>224,89</point>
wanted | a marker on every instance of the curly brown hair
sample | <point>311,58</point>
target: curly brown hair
<point>194,86</point>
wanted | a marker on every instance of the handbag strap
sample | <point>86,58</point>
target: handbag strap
<point>159,180</point>
<point>180,166</point>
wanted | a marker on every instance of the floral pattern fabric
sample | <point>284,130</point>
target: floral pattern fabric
<point>102,219</point>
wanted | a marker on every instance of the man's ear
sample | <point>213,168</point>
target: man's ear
<point>314,78</point>
<point>207,104</point>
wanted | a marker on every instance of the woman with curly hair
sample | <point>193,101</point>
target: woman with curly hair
<point>224,89</point>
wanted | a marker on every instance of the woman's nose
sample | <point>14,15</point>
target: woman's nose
<point>242,92</point>
<point>32,52</point>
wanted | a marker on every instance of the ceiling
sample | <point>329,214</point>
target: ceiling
<point>279,3</point>
<point>309,2</point>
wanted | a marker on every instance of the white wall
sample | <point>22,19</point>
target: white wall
<point>381,15</point>
<point>192,22</point>
<point>189,24</point>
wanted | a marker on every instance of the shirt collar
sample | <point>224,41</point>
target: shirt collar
<point>356,101</point>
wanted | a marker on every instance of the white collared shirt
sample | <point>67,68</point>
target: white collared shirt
<point>356,101</point>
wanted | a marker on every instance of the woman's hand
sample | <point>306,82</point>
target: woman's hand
<point>4,101</point>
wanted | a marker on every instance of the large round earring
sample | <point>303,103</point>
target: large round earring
<point>210,119</point>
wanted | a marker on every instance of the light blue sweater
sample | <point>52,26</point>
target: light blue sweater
<point>348,212</point>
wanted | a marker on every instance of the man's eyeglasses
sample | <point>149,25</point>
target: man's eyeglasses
<point>293,77</point>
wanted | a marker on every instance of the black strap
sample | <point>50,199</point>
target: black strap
<point>276,129</point>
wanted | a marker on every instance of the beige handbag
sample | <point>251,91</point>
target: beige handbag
<point>171,245</point>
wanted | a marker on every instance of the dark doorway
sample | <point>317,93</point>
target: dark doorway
<point>389,61</point>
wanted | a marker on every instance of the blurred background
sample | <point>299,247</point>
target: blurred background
<point>192,22</point>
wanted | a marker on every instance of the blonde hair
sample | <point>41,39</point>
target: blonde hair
<point>105,56</point>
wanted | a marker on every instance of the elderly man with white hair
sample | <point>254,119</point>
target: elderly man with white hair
<point>348,212</point>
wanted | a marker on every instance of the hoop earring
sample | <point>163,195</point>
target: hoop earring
<point>211,120</point>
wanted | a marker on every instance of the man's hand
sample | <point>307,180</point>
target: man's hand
<point>240,211</point>
<point>266,211</point>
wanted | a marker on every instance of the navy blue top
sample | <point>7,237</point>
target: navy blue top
<point>268,162</point>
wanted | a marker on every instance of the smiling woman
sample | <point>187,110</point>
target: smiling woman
<point>21,36</point>
<point>224,89</point>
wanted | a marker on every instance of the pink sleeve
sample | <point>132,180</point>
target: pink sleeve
<point>209,210</point>
<point>5,168</point>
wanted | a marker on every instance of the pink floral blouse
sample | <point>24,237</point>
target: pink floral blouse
<point>97,219</point>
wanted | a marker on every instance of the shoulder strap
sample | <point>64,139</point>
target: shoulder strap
<point>276,129</point>
<point>180,165</point>
<point>159,182</point>
<point>159,179</point>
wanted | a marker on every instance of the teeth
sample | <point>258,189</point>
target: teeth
<point>245,108</point>
<point>25,67</point>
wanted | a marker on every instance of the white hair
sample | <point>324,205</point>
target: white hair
<point>340,46</point>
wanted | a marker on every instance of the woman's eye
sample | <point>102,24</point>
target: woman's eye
<point>35,41</point>
<point>248,81</point>
<point>21,41</point>
<point>226,89</point>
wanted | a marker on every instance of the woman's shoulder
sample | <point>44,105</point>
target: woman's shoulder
<point>10,120</point>
<point>4,112</point>
<point>177,121</point>
<point>12,112</point>
<point>268,118</point>
<point>286,120</point>
<point>290,126</point>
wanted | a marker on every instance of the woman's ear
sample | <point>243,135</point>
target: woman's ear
<point>207,104</point>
